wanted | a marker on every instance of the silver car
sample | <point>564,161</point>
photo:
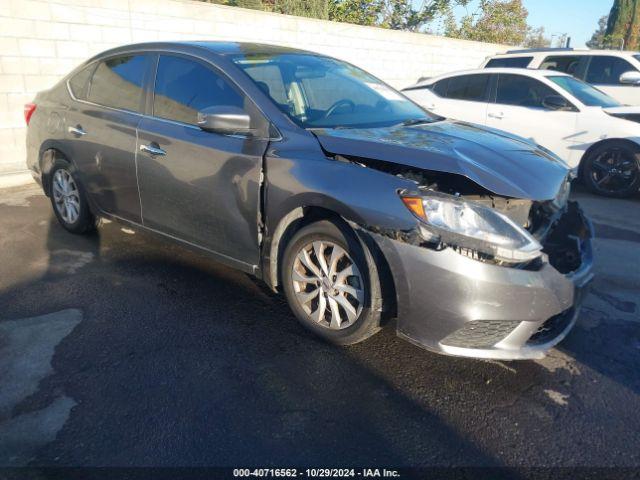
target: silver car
<point>328,185</point>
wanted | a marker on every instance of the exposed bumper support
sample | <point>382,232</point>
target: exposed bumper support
<point>441,293</point>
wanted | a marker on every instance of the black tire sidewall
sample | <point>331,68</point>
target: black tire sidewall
<point>588,169</point>
<point>85,218</point>
<point>368,323</point>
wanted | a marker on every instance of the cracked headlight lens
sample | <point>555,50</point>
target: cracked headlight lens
<point>467,224</point>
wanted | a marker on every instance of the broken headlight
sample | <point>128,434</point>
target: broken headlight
<point>459,223</point>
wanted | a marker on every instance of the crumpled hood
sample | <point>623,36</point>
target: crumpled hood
<point>502,163</point>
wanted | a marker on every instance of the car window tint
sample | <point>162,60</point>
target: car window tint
<point>561,63</point>
<point>606,70</point>
<point>513,62</point>
<point>522,91</point>
<point>79,83</point>
<point>468,87</point>
<point>118,82</point>
<point>269,79</point>
<point>184,87</point>
<point>440,87</point>
<point>637,57</point>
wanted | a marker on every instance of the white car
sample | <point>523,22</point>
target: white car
<point>616,73</point>
<point>585,127</point>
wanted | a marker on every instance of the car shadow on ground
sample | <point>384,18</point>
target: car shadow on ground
<point>179,361</point>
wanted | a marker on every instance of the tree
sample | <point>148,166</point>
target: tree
<point>598,37</point>
<point>394,14</point>
<point>360,12</point>
<point>496,21</point>
<point>301,8</point>
<point>624,23</point>
<point>536,38</point>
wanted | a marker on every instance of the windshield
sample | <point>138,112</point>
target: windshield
<point>317,91</point>
<point>590,96</point>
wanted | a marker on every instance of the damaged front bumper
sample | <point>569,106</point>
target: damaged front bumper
<point>452,304</point>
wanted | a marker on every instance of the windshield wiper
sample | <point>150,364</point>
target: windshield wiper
<point>416,121</point>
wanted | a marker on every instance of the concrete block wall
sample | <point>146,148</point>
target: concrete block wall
<point>42,40</point>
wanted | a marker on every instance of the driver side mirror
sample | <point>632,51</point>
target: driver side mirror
<point>225,120</point>
<point>556,102</point>
<point>630,78</point>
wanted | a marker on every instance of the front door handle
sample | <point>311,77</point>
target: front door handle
<point>152,149</point>
<point>77,131</point>
<point>499,116</point>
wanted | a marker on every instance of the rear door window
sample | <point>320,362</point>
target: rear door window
<point>606,70</point>
<point>563,63</point>
<point>185,87</point>
<point>472,88</point>
<point>119,82</point>
<point>511,62</point>
<point>522,91</point>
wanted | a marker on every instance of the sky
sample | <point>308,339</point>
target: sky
<point>578,18</point>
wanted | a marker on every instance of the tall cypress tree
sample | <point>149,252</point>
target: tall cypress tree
<point>624,23</point>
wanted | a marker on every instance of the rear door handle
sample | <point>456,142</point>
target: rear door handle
<point>499,116</point>
<point>77,131</point>
<point>153,149</point>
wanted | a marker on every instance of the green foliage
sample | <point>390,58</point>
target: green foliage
<point>253,4</point>
<point>598,38</point>
<point>360,12</point>
<point>624,24</point>
<point>301,8</point>
<point>394,14</point>
<point>496,21</point>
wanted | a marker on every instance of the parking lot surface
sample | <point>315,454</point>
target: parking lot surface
<point>117,349</point>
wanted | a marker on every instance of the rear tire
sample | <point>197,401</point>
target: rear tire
<point>68,199</point>
<point>612,170</point>
<point>343,290</point>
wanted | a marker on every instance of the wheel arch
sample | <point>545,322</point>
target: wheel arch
<point>301,216</point>
<point>49,152</point>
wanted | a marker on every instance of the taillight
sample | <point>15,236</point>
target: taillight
<point>29,108</point>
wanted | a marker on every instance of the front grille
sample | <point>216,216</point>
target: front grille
<point>480,333</point>
<point>552,328</point>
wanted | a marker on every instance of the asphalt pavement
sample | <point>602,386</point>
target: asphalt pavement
<point>118,349</point>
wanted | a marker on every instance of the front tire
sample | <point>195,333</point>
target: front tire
<point>331,283</point>
<point>68,199</point>
<point>612,170</point>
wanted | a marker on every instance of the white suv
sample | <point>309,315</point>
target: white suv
<point>616,73</point>
<point>585,127</point>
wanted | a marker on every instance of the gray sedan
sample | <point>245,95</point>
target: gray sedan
<point>325,183</point>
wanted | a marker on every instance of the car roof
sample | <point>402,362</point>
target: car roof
<point>215,47</point>
<point>562,52</point>
<point>529,72</point>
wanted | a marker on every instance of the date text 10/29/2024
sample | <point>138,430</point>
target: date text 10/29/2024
<point>316,473</point>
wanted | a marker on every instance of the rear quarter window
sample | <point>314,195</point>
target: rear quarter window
<point>440,87</point>
<point>512,62</point>
<point>79,83</point>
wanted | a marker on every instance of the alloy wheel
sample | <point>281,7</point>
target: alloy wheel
<point>328,284</point>
<point>66,196</point>
<point>613,171</point>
